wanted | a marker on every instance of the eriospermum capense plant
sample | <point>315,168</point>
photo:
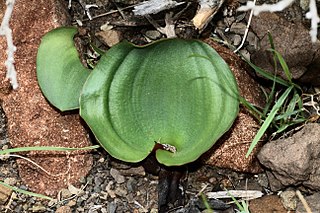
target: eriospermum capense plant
<point>175,94</point>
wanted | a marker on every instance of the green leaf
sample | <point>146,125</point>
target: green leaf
<point>160,92</point>
<point>59,70</point>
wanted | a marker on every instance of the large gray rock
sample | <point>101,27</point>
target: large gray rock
<point>293,41</point>
<point>294,160</point>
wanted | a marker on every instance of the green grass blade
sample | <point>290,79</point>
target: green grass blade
<point>274,56</point>
<point>268,75</point>
<point>45,148</point>
<point>253,110</point>
<point>283,65</point>
<point>240,207</point>
<point>16,189</point>
<point>286,115</point>
<point>206,204</point>
<point>270,98</point>
<point>97,49</point>
<point>269,119</point>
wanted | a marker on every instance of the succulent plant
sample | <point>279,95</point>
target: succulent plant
<point>175,97</point>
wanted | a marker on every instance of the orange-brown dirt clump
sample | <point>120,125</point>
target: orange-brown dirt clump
<point>229,152</point>
<point>31,120</point>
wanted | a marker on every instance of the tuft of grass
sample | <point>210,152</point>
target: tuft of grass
<point>243,206</point>
<point>283,108</point>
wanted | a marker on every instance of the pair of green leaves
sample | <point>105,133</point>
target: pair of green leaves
<point>179,94</point>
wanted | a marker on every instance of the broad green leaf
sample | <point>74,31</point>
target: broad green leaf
<point>59,70</point>
<point>160,93</point>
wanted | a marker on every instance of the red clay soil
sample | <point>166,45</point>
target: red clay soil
<point>229,152</point>
<point>31,120</point>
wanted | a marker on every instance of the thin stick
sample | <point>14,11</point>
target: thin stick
<point>34,163</point>
<point>303,201</point>
<point>246,31</point>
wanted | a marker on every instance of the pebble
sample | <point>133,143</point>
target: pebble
<point>37,208</point>
<point>111,207</point>
<point>74,190</point>
<point>117,176</point>
<point>289,200</point>
<point>153,34</point>
<point>120,192</point>
<point>71,203</point>
<point>138,171</point>
<point>131,184</point>
<point>238,28</point>
<point>236,40</point>
<point>65,193</point>
<point>5,193</point>
<point>64,209</point>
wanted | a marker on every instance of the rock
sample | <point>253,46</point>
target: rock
<point>293,41</point>
<point>109,37</point>
<point>294,160</point>
<point>10,181</point>
<point>153,34</point>
<point>64,209</point>
<point>37,208</point>
<point>267,204</point>
<point>230,150</point>
<point>31,119</point>
<point>289,199</point>
<point>5,193</point>
<point>117,176</point>
<point>134,171</point>
<point>312,201</point>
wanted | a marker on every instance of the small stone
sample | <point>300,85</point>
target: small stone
<point>111,207</point>
<point>109,37</point>
<point>120,192</point>
<point>213,180</point>
<point>236,40</point>
<point>72,203</point>
<point>101,160</point>
<point>64,209</point>
<point>5,193</point>
<point>103,210</point>
<point>138,171</point>
<point>117,176</point>
<point>65,193</point>
<point>73,190</point>
<point>153,34</point>
<point>109,190</point>
<point>38,208</point>
<point>289,200</point>
<point>82,180</point>
<point>10,181</point>
<point>153,210</point>
<point>238,28</point>
<point>131,184</point>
